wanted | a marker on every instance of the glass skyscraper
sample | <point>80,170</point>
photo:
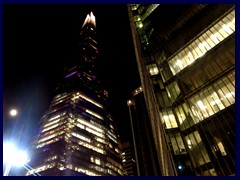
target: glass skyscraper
<point>78,136</point>
<point>186,60</point>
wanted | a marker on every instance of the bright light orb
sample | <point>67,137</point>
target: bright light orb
<point>21,158</point>
<point>8,151</point>
<point>13,156</point>
<point>180,167</point>
<point>13,112</point>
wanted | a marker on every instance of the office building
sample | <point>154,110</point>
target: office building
<point>77,134</point>
<point>186,60</point>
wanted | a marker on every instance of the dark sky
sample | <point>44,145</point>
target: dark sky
<point>40,39</point>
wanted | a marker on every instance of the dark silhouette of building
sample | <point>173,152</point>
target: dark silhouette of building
<point>147,163</point>
<point>78,136</point>
<point>186,60</point>
<point>129,160</point>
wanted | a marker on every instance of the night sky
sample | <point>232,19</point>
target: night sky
<point>40,39</point>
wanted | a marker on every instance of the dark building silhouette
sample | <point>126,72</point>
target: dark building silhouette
<point>78,136</point>
<point>147,163</point>
<point>129,160</point>
<point>186,60</point>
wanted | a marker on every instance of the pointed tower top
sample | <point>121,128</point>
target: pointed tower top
<point>90,19</point>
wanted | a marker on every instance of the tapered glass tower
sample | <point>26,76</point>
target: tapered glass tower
<point>78,135</point>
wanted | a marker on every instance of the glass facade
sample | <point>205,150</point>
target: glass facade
<point>78,136</point>
<point>188,66</point>
<point>204,43</point>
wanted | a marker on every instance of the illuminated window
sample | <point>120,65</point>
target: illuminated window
<point>89,125</point>
<point>197,148</point>
<point>40,168</point>
<point>50,123</point>
<point>168,119</point>
<point>89,146</point>
<point>50,136</point>
<point>94,114</point>
<point>139,24</point>
<point>177,143</point>
<point>137,18</point>
<point>117,150</point>
<point>134,7</point>
<point>112,136</point>
<point>97,161</point>
<point>87,99</point>
<point>81,137</point>
<point>101,140</point>
<point>149,11</point>
<point>209,101</point>
<point>52,127</point>
<point>153,69</point>
<point>173,91</point>
<point>81,169</point>
<point>48,142</point>
<point>213,36</point>
<point>51,158</point>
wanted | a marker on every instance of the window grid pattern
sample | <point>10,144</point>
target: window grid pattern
<point>203,43</point>
<point>208,102</point>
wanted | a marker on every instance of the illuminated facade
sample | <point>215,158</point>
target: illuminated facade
<point>186,61</point>
<point>78,136</point>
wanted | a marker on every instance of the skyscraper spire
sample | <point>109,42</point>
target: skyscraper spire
<point>78,136</point>
<point>90,19</point>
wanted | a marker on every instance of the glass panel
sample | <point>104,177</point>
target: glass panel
<point>197,149</point>
<point>215,101</point>
<point>153,69</point>
<point>166,72</point>
<point>210,172</point>
<point>174,71</point>
<point>208,39</point>
<point>190,56</point>
<point>181,118</point>
<point>177,144</point>
<point>221,29</point>
<point>221,61</point>
<point>232,23</point>
<point>204,43</point>
<point>200,48</point>
<point>219,36</point>
<point>228,26</point>
<point>182,56</point>
<point>226,90</point>
<point>173,91</point>
<point>163,99</point>
<point>209,109</point>
<point>179,64</point>
<point>209,70</point>
<point>169,119</point>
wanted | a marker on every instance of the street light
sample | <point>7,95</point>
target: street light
<point>13,157</point>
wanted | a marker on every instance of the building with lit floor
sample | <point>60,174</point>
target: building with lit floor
<point>186,60</point>
<point>78,136</point>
